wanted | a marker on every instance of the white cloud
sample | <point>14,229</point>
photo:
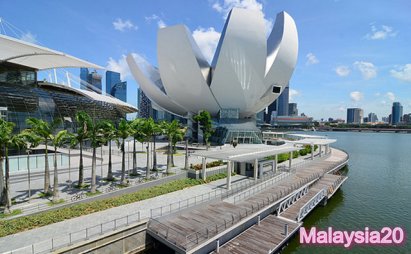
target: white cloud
<point>377,94</point>
<point>390,96</point>
<point>293,93</point>
<point>356,96</point>
<point>29,37</point>
<point>403,73</point>
<point>226,6</point>
<point>342,70</point>
<point>367,69</point>
<point>207,40</point>
<point>341,109</point>
<point>119,66</point>
<point>154,17</point>
<point>380,33</point>
<point>123,25</point>
<point>311,59</point>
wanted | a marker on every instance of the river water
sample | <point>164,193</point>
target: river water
<point>377,193</point>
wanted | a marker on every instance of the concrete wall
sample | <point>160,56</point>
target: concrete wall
<point>132,239</point>
<point>198,174</point>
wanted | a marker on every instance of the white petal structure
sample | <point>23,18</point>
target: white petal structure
<point>248,71</point>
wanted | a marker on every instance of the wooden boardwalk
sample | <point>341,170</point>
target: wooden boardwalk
<point>327,181</point>
<point>261,239</point>
<point>191,229</point>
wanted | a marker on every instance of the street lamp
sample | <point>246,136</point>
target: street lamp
<point>28,171</point>
<point>186,156</point>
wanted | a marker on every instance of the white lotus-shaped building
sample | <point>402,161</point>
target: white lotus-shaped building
<point>248,71</point>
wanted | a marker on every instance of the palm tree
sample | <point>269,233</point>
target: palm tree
<point>96,136</point>
<point>44,131</point>
<point>109,133</point>
<point>169,129</point>
<point>58,140</point>
<point>123,131</point>
<point>148,128</point>
<point>137,133</point>
<point>8,140</point>
<point>84,123</point>
<point>6,130</point>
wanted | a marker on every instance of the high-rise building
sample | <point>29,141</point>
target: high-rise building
<point>90,81</point>
<point>354,115</point>
<point>407,118</point>
<point>282,106</point>
<point>115,87</point>
<point>292,109</point>
<point>372,118</point>
<point>144,105</point>
<point>396,113</point>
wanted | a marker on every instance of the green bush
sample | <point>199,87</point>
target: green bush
<point>49,217</point>
<point>208,165</point>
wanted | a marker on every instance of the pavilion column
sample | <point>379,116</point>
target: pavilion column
<point>312,152</point>
<point>320,150</point>
<point>255,169</point>
<point>204,168</point>
<point>229,169</point>
<point>290,160</point>
<point>261,171</point>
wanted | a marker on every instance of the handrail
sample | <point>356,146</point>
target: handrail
<point>311,204</point>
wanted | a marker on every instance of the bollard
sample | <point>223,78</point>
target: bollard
<point>286,229</point>
<point>258,220</point>
<point>218,246</point>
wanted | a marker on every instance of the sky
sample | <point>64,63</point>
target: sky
<point>351,53</point>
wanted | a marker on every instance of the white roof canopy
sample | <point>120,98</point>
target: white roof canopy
<point>245,152</point>
<point>37,57</point>
<point>313,141</point>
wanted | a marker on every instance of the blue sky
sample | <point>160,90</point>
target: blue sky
<point>351,53</point>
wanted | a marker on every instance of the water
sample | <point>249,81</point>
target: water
<point>377,193</point>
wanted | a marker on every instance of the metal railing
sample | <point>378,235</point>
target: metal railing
<point>311,204</point>
<point>61,241</point>
<point>217,194</point>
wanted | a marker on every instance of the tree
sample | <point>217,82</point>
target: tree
<point>123,131</point>
<point>109,133</point>
<point>8,140</point>
<point>84,124</point>
<point>204,119</point>
<point>178,136</point>
<point>169,129</point>
<point>96,137</point>
<point>137,133</point>
<point>58,140</point>
<point>148,128</point>
<point>44,131</point>
<point>156,131</point>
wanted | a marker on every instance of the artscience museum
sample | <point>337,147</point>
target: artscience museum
<point>248,72</point>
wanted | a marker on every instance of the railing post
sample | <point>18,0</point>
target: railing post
<point>258,220</point>
<point>286,229</point>
<point>115,224</point>
<point>127,220</point>
<point>86,233</point>
<point>217,249</point>
<point>101,228</point>
<point>32,248</point>
<point>69,239</point>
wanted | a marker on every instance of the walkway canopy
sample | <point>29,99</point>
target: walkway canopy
<point>245,152</point>
<point>37,57</point>
<point>314,141</point>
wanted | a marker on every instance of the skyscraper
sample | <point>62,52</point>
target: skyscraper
<point>144,105</point>
<point>292,109</point>
<point>396,113</point>
<point>282,108</point>
<point>372,118</point>
<point>354,115</point>
<point>90,81</point>
<point>115,87</point>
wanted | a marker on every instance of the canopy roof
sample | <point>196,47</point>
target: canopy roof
<point>313,141</point>
<point>245,152</point>
<point>37,57</point>
<point>128,108</point>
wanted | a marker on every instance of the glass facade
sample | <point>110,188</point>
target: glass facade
<point>22,97</point>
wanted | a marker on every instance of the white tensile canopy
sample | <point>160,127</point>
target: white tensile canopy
<point>37,57</point>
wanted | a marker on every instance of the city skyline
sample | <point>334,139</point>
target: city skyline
<point>354,60</point>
